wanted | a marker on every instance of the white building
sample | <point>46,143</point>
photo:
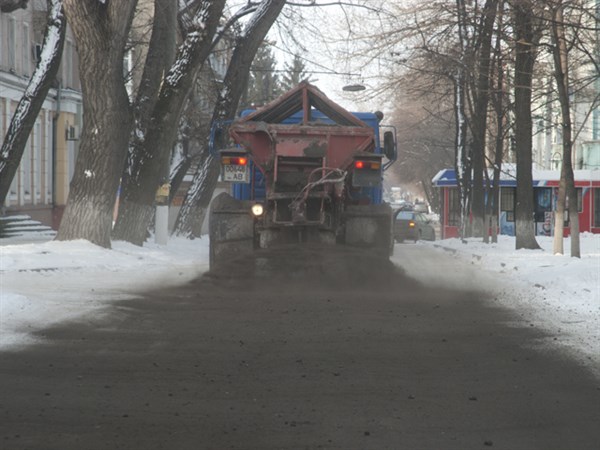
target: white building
<point>40,187</point>
<point>585,104</point>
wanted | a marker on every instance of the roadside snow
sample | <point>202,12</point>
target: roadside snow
<point>48,282</point>
<point>43,283</point>
<point>556,293</point>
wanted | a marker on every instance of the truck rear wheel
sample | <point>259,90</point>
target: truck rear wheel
<point>230,228</point>
<point>370,227</point>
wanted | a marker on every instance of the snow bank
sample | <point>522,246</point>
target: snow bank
<point>46,283</point>
<point>556,293</point>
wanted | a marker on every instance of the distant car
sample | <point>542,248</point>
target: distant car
<point>421,207</point>
<point>406,206</point>
<point>412,225</point>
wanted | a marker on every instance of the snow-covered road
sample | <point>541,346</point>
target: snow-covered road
<point>48,282</point>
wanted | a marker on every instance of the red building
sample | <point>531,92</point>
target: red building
<point>545,184</point>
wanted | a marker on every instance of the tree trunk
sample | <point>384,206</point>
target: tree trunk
<point>159,57</point>
<point>480,115</point>
<point>101,31</point>
<point>559,215</point>
<point>178,168</point>
<point>154,144</point>
<point>526,37</point>
<point>30,104</point>
<point>498,103</point>
<point>193,210</point>
<point>495,200</point>
<point>462,160</point>
<point>489,207</point>
<point>196,202</point>
<point>567,181</point>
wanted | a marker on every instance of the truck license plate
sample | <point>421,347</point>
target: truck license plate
<point>235,173</point>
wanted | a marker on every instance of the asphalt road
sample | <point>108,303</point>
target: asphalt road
<point>329,351</point>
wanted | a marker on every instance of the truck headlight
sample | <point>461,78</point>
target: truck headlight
<point>257,210</point>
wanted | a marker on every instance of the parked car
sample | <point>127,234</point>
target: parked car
<point>406,206</point>
<point>412,225</point>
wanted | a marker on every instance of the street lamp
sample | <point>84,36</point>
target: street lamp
<point>353,88</point>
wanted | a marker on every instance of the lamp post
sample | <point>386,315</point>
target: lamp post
<point>353,87</point>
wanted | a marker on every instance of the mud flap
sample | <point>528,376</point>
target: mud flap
<point>231,229</point>
<point>370,227</point>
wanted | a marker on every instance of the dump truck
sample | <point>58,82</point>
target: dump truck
<point>303,170</point>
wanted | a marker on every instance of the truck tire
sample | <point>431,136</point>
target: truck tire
<point>370,227</point>
<point>230,228</point>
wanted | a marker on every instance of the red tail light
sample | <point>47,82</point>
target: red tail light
<point>367,165</point>
<point>234,160</point>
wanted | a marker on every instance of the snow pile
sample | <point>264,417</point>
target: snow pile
<point>49,282</point>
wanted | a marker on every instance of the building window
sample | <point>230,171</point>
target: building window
<point>48,160</point>
<point>579,204</point>
<point>542,203</point>
<point>26,165</point>
<point>71,155</point>
<point>67,62</point>
<point>37,161</point>
<point>25,51</point>
<point>2,26</point>
<point>453,207</point>
<point>579,200</point>
<point>12,44</point>
<point>596,124</point>
<point>507,202</point>
<point>12,196</point>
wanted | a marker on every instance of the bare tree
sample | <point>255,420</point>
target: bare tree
<point>560,53</point>
<point>156,134</point>
<point>194,126</point>
<point>463,157</point>
<point>481,94</point>
<point>451,41</point>
<point>424,126</point>
<point>498,96</point>
<point>528,29</point>
<point>101,30</point>
<point>30,104</point>
<point>191,215</point>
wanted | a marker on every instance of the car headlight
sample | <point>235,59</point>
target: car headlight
<point>257,210</point>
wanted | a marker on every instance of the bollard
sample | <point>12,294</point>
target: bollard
<point>161,221</point>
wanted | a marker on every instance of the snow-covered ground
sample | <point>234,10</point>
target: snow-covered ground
<point>556,293</point>
<point>42,283</point>
<point>46,282</point>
